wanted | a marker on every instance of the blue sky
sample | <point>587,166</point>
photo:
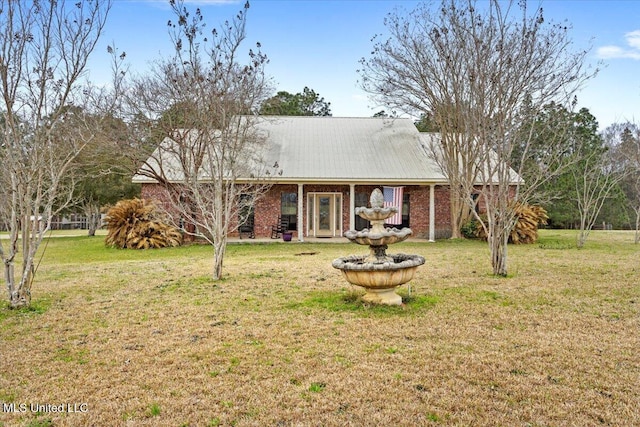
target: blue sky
<point>317,43</point>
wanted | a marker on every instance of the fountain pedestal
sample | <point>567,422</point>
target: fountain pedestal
<point>378,273</point>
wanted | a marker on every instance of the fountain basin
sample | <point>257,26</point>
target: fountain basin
<point>379,279</point>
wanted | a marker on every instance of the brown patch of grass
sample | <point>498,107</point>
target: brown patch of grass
<point>148,339</point>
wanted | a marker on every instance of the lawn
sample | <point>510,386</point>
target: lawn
<point>145,338</point>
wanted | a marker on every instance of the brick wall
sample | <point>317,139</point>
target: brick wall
<point>443,212</point>
<point>157,193</point>
<point>267,208</point>
<point>418,210</point>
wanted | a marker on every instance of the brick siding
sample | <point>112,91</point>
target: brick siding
<point>267,208</point>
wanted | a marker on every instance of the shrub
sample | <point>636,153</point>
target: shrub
<point>470,229</point>
<point>525,231</point>
<point>137,224</point>
<point>526,228</point>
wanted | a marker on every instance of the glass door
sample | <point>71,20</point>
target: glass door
<point>325,211</point>
<point>324,215</point>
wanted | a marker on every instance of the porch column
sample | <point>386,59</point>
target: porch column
<point>432,213</point>
<point>300,213</point>
<point>352,206</point>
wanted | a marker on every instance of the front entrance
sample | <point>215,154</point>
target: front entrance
<point>324,213</point>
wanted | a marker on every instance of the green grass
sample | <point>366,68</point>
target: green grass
<point>317,387</point>
<point>154,410</point>
<point>68,250</point>
<point>37,307</point>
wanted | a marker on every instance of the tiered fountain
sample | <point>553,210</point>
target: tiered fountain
<point>380,274</point>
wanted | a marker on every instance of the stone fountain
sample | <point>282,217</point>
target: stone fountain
<point>380,274</point>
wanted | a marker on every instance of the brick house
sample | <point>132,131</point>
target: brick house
<point>329,167</point>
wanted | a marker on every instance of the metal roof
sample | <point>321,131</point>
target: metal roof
<point>348,149</point>
<point>344,150</point>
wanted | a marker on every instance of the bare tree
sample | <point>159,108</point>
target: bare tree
<point>407,73</point>
<point>205,103</point>
<point>104,172</point>
<point>44,48</point>
<point>596,172</point>
<point>595,176</point>
<point>624,138</point>
<point>483,70</point>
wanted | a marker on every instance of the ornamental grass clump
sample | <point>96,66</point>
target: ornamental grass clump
<point>530,217</point>
<point>137,224</point>
<point>525,231</point>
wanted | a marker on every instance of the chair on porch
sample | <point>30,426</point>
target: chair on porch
<point>247,228</point>
<point>281,226</point>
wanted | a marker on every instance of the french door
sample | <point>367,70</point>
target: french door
<point>324,211</point>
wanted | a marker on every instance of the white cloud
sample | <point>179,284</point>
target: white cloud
<point>632,50</point>
<point>609,52</point>
<point>633,39</point>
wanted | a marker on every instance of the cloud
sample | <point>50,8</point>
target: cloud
<point>633,39</point>
<point>632,50</point>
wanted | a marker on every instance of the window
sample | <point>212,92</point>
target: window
<point>361,200</point>
<point>246,213</point>
<point>289,209</point>
<point>405,212</point>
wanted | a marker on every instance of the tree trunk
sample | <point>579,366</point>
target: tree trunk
<point>19,293</point>
<point>582,238</point>
<point>20,298</point>
<point>455,226</point>
<point>94,219</point>
<point>583,234</point>
<point>498,238</point>
<point>91,226</point>
<point>219,248</point>
<point>93,223</point>
<point>459,214</point>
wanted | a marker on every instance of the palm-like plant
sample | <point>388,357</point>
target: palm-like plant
<point>137,224</point>
<point>525,230</point>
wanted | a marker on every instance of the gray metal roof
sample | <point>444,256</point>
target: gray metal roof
<point>348,149</point>
<point>337,149</point>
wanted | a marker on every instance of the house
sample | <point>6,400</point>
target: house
<point>330,165</point>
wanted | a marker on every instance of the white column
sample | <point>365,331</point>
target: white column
<point>300,213</point>
<point>432,213</point>
<point>352,206</point>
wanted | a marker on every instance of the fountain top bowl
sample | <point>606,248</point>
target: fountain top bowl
<point>377,211</point>
<point>387,236</point>
<point>376,214</point>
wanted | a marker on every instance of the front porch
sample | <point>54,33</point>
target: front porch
<point>323,211</point>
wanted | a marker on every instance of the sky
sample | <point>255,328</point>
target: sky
<point>318,43</point>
